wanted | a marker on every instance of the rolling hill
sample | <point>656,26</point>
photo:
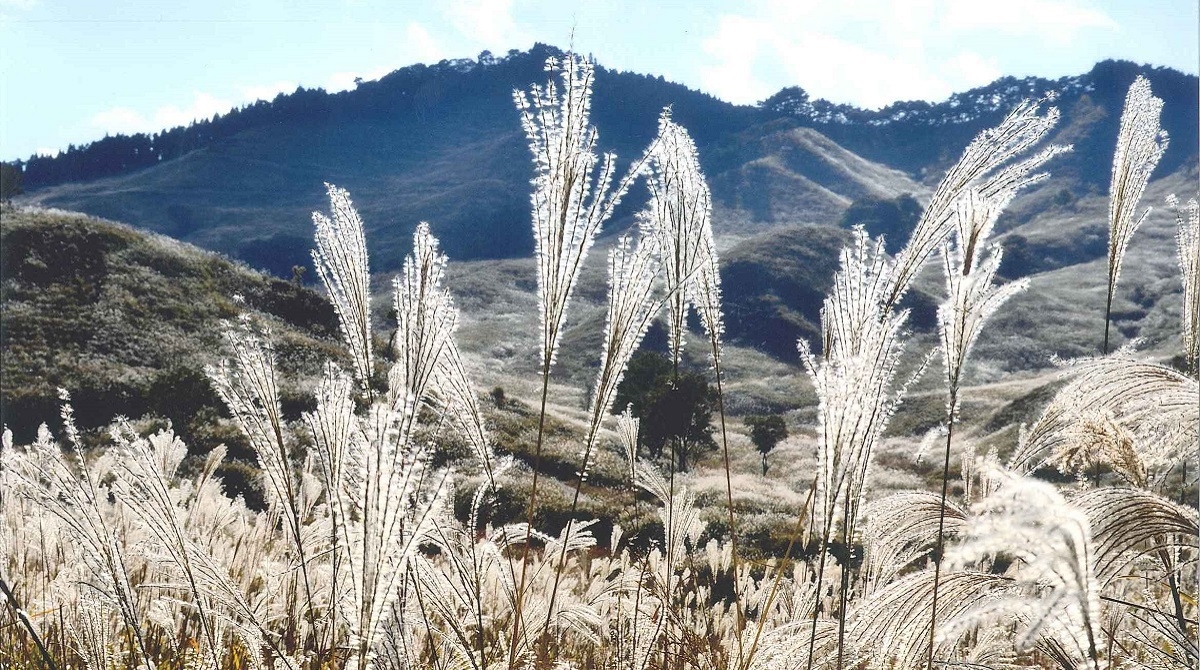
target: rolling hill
<point>442,143</point>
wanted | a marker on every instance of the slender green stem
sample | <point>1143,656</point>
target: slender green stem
<point>1108,315</point>
<point>812,636</point>
<point>845,581</point>
<point>762,618</point>
<point>537,462</point>
<point>741,621</point>
<point>937,552</point>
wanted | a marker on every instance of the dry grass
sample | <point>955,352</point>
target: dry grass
<point>115,558</point>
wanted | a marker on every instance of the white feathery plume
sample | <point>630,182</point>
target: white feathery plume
<point>385,498</point>
<point>429,367</point>
<point>338,442</point>
<point>853,376</point>
<point>680,215</point>
<point>901,528</point>
<point>1128,523</point>
<point>1158,408</point>
<point>76,494</point>
<point>573,195</point>
<point>891,625</point>
<point>786,647</point>
<point>631,308</point>
<point>400,502</point>
<point>571,199</point>
<point>969,270</point>
<point>144,470</point>
<point>632,270</point>
<point>425,322</point>
<point>862,329</point>
<point>1187,239</point>
<point>627,430</point>
<point>861,342</point>
<point>340,258</point>
<point>984,167</point>
<point>969,266</point>
<point>1140,145</point>
<point>248,386</point>
<point>90,634</point>
<point>1051,543</point>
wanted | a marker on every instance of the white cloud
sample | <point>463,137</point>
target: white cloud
<point>874,52</point>
<point>128,121</point>
<point>970,67</point>
<point>422,45</point>
<point>734,48</point>
<point>344,81</point>
<point>487,24</point>
<point>203,106</point>
<point>119,120</point>
<point>267,91</point>
<point>847,71</point>
<point>1054,20</point>
<point>419,46</point>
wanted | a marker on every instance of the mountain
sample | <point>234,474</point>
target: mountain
<point>442,143</point>
<point>923,138</point>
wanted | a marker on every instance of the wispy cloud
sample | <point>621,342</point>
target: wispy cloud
<point>344,81</point>
<point>128,121</point>
<point>419,46</point>
<point>873,53</point>
<point>267,91</point>
<point>488,24</point>
<point>422,44</point>
<point>1053,20</point>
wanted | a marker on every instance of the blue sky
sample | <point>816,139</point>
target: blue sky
<point>73,70</point>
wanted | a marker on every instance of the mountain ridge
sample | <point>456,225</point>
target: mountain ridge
<point>443,144</point>
<point>425,84</point>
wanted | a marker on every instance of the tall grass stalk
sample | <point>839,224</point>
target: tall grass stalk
<point>631,308</point>
<point>861,326</point>
<point>969,268</point>
<point>1187,240</point>
<point>680,214</point>
<point>573,195</point>
<point>1140,145</point>
<point>123,556</point>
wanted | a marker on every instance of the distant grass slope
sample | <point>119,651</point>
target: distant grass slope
<point>125,321</point>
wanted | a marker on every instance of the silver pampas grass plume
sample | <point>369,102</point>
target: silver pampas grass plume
<point>1140,145</point>
<point>340,258</point>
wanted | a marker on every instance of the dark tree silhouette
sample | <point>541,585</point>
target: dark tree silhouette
<point>765,433</point>
<point>675,409</point>
<point>11,179</point>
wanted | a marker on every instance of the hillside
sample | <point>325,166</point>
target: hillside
<point>442,143</point>
<point>126,322</point>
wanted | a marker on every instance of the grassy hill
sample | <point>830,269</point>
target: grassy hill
<point>126,321</point>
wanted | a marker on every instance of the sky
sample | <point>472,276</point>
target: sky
<point>72,71</point>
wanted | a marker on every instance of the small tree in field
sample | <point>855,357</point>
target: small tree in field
<point>676,408</point>
<point>766,432</point>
